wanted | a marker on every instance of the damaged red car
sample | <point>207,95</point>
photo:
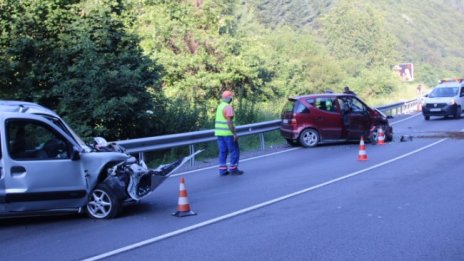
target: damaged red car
<point>309,120</point>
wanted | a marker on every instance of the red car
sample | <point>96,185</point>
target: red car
<point>318,118</point>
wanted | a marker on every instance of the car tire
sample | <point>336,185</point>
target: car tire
<point>103,204</point>
<point>309,138</point>
<point>373,136</point>
<point>426,117</point>
<point>292,143</point>
<point>457,115</point>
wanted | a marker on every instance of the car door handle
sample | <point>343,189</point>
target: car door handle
<point>318,118</point>
<point>18,171</point>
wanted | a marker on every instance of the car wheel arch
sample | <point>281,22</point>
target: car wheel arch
<point>103,203</point>
<point>309,137</point>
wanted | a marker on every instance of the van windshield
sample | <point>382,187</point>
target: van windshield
<point>444,92</point>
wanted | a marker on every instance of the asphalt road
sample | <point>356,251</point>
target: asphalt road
<point>403,203</point>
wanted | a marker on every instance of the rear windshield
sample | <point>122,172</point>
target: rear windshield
<point>295,107</point>
<point>444,92</point>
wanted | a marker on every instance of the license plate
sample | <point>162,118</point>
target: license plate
<point>435,109</point>
<point>285,121</point>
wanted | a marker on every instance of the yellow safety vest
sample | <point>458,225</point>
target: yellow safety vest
<point>220,127</point>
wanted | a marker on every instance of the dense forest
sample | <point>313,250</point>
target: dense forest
<point>133,68</point>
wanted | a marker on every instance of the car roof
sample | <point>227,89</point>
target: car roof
<point>316,95</point>
<point>448,84</point>
<point>24,107</point>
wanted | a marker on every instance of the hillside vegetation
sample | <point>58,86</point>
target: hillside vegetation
<point>428,33</point>
<point>149,67</point>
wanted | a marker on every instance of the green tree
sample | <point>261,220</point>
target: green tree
<point>78,59</point>
<point>356,30</point>
<point>201,53</point>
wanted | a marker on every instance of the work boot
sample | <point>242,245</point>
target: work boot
<point>236,172</point>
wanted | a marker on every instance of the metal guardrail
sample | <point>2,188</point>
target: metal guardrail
<point>142,145</point>
<point>400,107</point>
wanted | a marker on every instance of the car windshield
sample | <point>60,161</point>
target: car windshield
<point>63,126</point>
<point>444,92</point>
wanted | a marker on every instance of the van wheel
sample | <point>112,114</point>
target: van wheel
<point>103,204</point>
<point>309,138</point>
<point>457,115</point>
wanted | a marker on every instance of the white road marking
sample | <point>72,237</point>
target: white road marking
<point>405,119</point>
<point>258,206</point>
<point>242,160</point>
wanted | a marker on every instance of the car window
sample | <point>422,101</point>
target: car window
<point>288,107</point>
<point>300,108</point>
<point>342,104</point>
<point>33,140</point>
<point>357,106</point>
<point>326,104</point>
<point>311,102</point>
<point>351,104</point>
<point>462,91</point>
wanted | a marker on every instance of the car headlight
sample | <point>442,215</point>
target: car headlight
<point>452,102</point>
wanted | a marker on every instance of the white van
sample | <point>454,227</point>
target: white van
<point>445,99</point>
<point>46,168</point>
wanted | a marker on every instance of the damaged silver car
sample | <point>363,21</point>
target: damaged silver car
<point>46,168</point>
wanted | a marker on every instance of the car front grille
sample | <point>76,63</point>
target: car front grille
<point>435,105</point>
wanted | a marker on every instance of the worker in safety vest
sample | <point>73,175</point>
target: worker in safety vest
<point>227,138</point>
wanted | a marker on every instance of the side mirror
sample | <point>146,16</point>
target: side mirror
<point>389,117</point>
<point>75,154</point>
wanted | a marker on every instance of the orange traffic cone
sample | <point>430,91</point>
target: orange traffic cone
<point>183,206</point>
<point>362,150</point>
<point>380,136</point>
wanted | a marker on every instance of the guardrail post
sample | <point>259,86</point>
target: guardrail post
<point>261,140</point>
<point>192,150</point>
<point>141,156</point>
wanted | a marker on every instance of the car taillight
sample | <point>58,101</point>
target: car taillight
<point>293,120</point>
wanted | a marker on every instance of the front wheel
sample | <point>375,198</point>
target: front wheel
<point>309,138</point>
<point>426,117</point>
<point>457,115</point>
<point>373,137</point>
<point>103,204</point>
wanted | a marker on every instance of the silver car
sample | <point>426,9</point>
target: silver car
<point>46,168</point>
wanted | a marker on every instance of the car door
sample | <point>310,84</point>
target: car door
<point>40,173</point>
<point>359,119</point>
<point>2,177</point>
<point>461,97</point>
<point>328,118</point>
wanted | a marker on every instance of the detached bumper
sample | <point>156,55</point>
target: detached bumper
<point>156,180</point>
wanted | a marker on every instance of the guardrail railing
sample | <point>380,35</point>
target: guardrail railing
<point>189,139</point>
